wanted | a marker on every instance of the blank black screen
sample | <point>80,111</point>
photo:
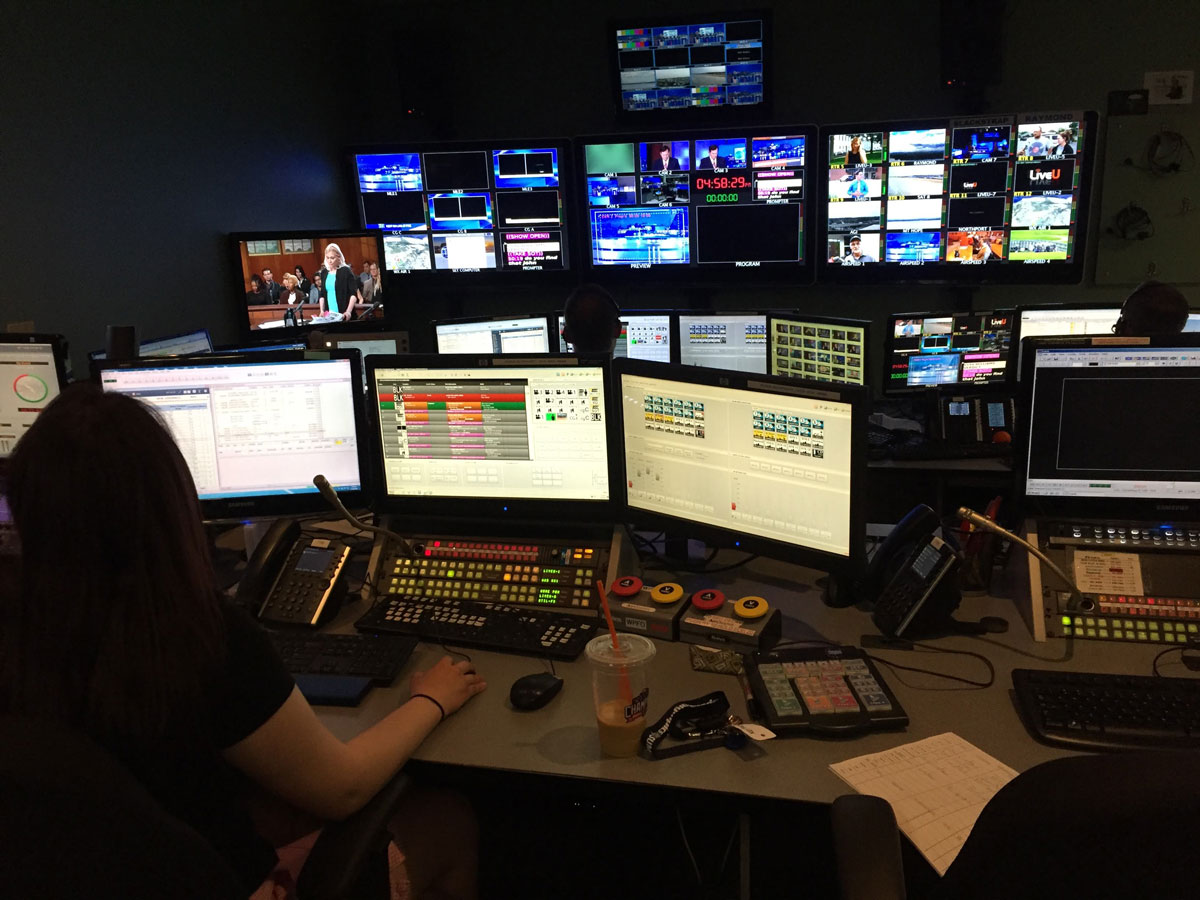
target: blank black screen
<point>515,206</point>
<point>447,171</point>
<point>743,31</point>
<point>739,233</point>
<point>405,208</point>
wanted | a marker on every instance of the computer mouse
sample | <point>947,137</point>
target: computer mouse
<point>534,691</point>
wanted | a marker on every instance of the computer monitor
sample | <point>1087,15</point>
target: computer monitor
<point>256,427</point>
<point>724,340</point>
<point>175,345</point>
<point>700,204</point>
<point>511,334</point>
<point>466,211</point>
<point>989,198</point>
<point>1111,430</point>
<point>370,343</point>
<point>930,349</point>
<point>771,465</point>
<point>1070,321</point>
<point>492,438</point>
<point>818,348</point>
<point>32,373</point>
<point>689,65</point>
<point>268,309</point>
<point>262,348</point>
<point>644,335</point>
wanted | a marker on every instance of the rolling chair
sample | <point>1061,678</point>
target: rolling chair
<point>1117,825</point>
<point>75,823</point>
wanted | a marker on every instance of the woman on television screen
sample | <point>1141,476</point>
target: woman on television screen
<point>341,291</point>
<point>856,155</point>
<point>258,295</point>
<point>302,279</point>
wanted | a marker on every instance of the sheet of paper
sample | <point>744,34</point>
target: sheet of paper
<point>936,787</point>
<point>1100,572</point>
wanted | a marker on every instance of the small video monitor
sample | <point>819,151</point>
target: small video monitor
<point>644,334</point>
<point>369,343</point>
<point>818,348</point>
<point>505,334</point>
<point>175,345</point>
<point>724,340</point>
<point>931,349</point>
<point>32,373</point>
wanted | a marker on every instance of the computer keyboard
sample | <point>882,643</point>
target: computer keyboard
<point>375,656</point>
<point>1093,711</point>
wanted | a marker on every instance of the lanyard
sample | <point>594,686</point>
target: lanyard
<point>702,722</point>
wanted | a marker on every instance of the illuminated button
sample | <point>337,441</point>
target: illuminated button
<point>508,576</point>
<point>1066,630</point>
<point>1142,636</point>
<point>1091,632</point>
<point>1066,620</point>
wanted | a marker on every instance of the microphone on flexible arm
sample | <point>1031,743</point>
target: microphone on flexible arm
<point>1077,601</point>
<point>327,491</point>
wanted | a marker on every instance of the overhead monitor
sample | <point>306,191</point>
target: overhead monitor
<point>767,464</point>
<point>644,335</point>
<point>931,349</point>
<point>1110,427</point>
<point>1071,321</point>
<point>686,64</point>
<point>724,341</point>
<point>450,212</point>
<point>818,348</point>
<point>292,280</point>
<point>32,373</point>
<point>698,205</point>
<point>255,428</point>
<point>511,334</point>
<point>991,198</point>
<point>492,438</point>
<point>184,344</point>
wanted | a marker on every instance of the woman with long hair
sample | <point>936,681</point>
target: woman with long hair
<point>341,290</point>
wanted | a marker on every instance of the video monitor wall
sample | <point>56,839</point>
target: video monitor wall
<point>711,201</point>
<point>479,207</point>
<point>958,199</point>
<point>931,349</point>
<point>683,64</point>
<point>817,348</point>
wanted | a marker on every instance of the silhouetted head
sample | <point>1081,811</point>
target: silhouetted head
<point>592,320</point>
<point>1152,308</point>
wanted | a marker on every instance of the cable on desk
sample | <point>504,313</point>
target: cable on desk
<point>930,648</point>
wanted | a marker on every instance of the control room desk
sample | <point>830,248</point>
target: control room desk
<point>560,739</point>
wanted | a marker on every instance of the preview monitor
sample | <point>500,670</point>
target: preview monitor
<point>189,342</point>
<point>770,465</point>
<point>1071,321</point>
<point>644,335</point>
<point>692,63</point>
<point>1110,430</point>
<point>700,204</point>
<point>468,208</point>
<point>511,334</point>
<point>255,428</point>
<point>931,349</point>
<point>724,341</point>
<point>818,348</point>
<point>32,373</point>
<point>307,279</point>
<point>500,437</point>
<point>990,198</point>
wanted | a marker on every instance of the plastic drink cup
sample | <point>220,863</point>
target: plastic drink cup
<point>620,690</point>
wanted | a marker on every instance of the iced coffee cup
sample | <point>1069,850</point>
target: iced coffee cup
<point>620,691</point>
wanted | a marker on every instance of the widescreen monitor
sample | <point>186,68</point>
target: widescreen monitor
<point>724,340</point>
<point>771,465</point>
<point>818,348</point>
<point>1071,321</point>
<point>32,373</point>
<point>682,64</point>
<point>926,350</point>
<point>1110,427</point>
<point>447,211</point>
<point>284,281</point>
<point>698,205</point>
<point>644,335</point>
<point>992,198</point>
<point>369,343</point>
<point>509,334</point>
<point>255,428</point>
<point>174,345</point>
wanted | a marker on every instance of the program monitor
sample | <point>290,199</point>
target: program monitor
<point>818,348</point>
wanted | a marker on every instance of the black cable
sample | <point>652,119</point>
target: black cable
<point>930,648</point>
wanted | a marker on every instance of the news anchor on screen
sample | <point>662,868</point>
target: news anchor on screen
<point>712,160</point>
<point>668,162</point>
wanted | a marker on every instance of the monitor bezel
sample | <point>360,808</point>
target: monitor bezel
<point>1091,508</point>
<point>479,320</point>
<point>490,512</point>
<point>237,509</point>
<point>943,272</point>
<point>889,337</point>
<point>864,324</point>
<point>857,396</point>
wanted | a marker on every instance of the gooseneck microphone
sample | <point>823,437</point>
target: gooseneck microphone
<point>327,491</point>
<point>1077,601</point>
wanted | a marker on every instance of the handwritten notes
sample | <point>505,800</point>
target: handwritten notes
<point>1098,572</point>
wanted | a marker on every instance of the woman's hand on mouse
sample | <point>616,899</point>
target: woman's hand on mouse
<point>450,683</point>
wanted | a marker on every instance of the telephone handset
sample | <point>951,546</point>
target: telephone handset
<point>292,579</point>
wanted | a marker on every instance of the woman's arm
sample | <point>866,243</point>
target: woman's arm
<point>296,757</point>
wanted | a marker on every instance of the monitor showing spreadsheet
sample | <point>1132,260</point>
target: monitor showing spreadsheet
<point>519,334</point>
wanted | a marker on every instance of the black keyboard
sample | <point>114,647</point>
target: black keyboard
<point>1091,711</point>
<point>374,656</point>
<point>944,450</point>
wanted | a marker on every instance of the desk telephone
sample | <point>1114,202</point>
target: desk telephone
<point>293,579</point>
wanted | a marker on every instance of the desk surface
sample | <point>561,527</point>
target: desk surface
<point>560,739</point>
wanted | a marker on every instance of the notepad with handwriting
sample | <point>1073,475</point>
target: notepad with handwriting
<point>936,787</point>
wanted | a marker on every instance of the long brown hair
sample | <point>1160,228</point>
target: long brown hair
<point>115,625</point>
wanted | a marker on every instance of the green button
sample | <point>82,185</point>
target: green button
<point>1078,622</point>
<point>1169,638</point>
<point>1168,626</point>
<point>1103,632</point>
<point>1103,623</point>
<point>1066,620</point>
<point>1089,621</point>
<point>1154,626</point>
<point>1192,629</point>
<point>1091,632</point>
<point>1155,636</point>
<point>1141,625</point>
<point>1066,631</point>
<point>1129,635</point>
<point>1141,635</point>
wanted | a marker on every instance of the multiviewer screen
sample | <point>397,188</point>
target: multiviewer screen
<point>642,337</point>
<point>724,342</point>
<point>535,432</point>
<point>1114,422</point>
<point>821,351</point>
<point>948,349</point>
<point>772,465</point>
<point>254,428</point>
<point>526,335</point>
<point>28,381</point>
